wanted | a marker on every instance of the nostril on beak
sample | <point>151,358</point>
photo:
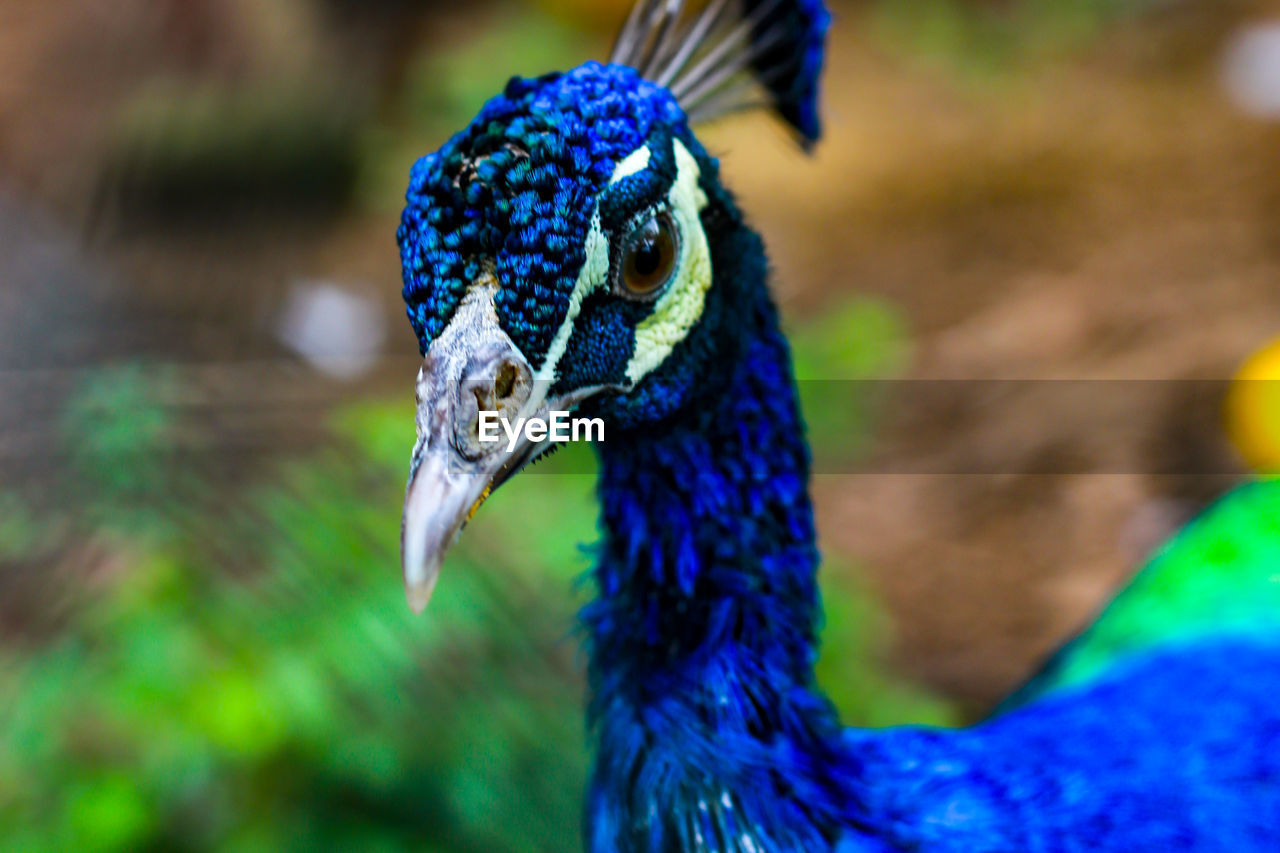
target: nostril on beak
<point>497,382</point>
<point>505,382</point>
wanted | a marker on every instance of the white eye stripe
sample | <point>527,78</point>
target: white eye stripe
<point>594,273</point>
<point>678,308</point>
<point>634,163</point>
<point>595,267</point>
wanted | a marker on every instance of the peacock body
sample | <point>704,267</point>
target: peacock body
<point>574,249</point>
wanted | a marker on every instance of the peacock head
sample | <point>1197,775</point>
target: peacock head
<point>570,250</point>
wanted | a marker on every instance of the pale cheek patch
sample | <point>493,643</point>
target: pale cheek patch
<point>680,307</point>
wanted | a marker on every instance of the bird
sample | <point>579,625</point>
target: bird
<point>574,250</point>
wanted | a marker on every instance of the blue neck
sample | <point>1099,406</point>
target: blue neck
<point>702,637</point>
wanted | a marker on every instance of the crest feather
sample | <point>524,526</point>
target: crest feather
<point>733,55</point>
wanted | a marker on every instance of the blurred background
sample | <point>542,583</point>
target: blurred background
<point>206,401</point>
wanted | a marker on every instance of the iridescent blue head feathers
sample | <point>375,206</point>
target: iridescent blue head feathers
<point>513,194</point>
<point>515,191</point>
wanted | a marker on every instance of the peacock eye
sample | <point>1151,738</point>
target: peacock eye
<point>649,257</point>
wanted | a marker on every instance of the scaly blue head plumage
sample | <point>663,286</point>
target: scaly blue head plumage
<point>542,192</point>
<point>514,193</point>
<point>516,190</point>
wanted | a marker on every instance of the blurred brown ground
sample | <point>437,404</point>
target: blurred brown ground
<point>1106,214</point>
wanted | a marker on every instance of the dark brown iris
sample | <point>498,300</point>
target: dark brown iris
<point>649,256</point>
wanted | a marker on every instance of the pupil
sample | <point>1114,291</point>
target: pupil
<point>647,258</point>
<point>650,257</point>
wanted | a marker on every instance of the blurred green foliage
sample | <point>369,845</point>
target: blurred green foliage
<point>445,88</point>
<point>982,38</point>
<point>851,664</point>
<point>118,437</point>
<point>843,359</point>
<point>252,679</point>
<point>248,676</point>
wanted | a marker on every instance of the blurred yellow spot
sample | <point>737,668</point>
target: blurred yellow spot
<point>1253,410</point>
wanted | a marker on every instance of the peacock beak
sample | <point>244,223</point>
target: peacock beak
<point>473,386</point>
<point>473,367</point>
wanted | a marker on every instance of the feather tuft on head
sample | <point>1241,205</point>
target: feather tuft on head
<point>733,55</point>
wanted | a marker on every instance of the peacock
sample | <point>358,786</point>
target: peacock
<point>574,250</point>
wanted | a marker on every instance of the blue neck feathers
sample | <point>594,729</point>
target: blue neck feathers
<point>711,733</point>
